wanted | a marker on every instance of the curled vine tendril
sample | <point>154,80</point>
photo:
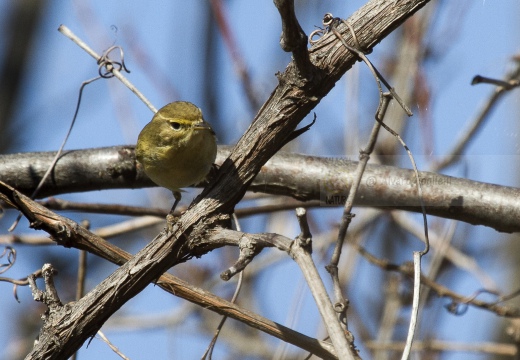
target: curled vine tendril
<point>107,65</point>
<point>10,254</point>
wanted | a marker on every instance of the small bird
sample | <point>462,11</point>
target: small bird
<point>177,148</point>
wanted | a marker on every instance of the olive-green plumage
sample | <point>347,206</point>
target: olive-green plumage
<point>178,147</point>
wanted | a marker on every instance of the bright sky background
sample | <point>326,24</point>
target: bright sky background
<point>164,49</point>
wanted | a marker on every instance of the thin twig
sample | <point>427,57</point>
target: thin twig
<point>140,223</point>
<point>97,208</point>
<point>507,85</point>
<point>439,289</point>
<point>330,22</point>
<point>441,243</point>
<point>112,346</point>
<point>10,255</point>
<point>60,150</point>
<point>415,304</point>
<point>340,304</point>
<point>118,209</point>
<point>503,349</point>
<point>468,133</point>
<point>419,187</point>
<point>21,282</point>
<point>68,33</point>
<point>209,350</point>
<point>105,232</point>
<point>328,314</point>
<point>375,73</point>
<point>364,156</point>
<point>300,251</point>
<point>104,63</point>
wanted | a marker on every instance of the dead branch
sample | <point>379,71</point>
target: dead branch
<point>303,177</point>
<point>65,331</point>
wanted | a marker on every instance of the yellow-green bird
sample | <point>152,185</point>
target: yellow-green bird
<point>177,148</point>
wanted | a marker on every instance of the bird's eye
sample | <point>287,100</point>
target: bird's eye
<point>175,125</point>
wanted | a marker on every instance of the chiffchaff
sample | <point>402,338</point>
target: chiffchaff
<point>177,148</point>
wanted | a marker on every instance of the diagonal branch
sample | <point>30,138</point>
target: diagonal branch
<point>83,239</point>
<point>65,331</point>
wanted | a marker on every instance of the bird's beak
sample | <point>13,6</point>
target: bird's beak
<point>203,125</point>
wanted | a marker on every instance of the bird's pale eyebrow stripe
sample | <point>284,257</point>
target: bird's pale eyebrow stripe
<point>158,114</point>
<point>169,119</point>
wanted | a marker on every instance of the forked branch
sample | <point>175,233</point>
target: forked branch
<point>289,103</point>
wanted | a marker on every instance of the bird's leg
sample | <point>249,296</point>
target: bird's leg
<point>170,218</point>
<point>177,195</point>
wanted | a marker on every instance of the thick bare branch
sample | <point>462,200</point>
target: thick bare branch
<point>80,238</point>
<point>302,177</point>
<point>294,97</point>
